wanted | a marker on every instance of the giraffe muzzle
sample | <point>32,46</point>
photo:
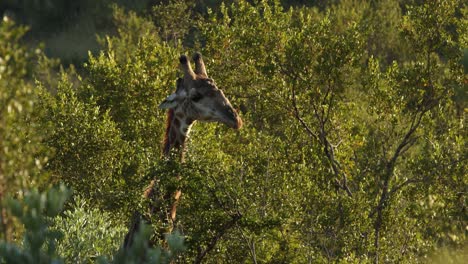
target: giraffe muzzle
<point>234,121</point>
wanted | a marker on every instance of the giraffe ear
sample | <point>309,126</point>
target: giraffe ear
<point>169,102</point>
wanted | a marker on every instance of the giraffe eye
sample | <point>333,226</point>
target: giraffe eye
<point>197,97</point>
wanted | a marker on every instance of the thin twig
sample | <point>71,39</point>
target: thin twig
<point>202,252</point>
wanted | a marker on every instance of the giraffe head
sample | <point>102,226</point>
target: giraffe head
<point>198,98</point>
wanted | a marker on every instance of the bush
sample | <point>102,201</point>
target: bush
<point>88,232</point>
<point>76,237</point>
<point>39,242</point>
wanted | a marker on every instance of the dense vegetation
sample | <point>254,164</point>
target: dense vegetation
<point>353,147</point>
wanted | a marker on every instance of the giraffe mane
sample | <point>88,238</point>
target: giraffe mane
<point>166,141</point>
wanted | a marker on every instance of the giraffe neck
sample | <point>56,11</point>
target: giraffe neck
<point>177,130</point>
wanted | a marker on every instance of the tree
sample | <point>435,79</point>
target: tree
<point>353,147</point>
<point>22,157</point>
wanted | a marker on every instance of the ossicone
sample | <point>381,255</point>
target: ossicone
<point>199,65</point>
<point>183,59</point>
<point>189,75</point>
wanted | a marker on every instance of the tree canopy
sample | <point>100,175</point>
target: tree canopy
<point>353,147</point>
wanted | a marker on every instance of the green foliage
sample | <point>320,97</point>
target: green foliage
<point>173,19</point>
<point>22,157</point>
<point>87,233</point>
<point>351,137</point>
<point>102,128</point>
<point>76,237</point>
<point>88,150</point>
<point>353,147</point>
<point>39,243</point>
<point>16,105</point>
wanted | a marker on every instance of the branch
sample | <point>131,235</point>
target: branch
<point>328,147</point>
<point>202,252</point>
<point>336,167</point>
<point>403,184</point>
<point>322,119</point>
<point>235,217</point>
<point>298,116</point>
<point>251,247</point>
<point>404,145</point>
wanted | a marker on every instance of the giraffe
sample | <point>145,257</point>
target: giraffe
<point>196,98</point>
